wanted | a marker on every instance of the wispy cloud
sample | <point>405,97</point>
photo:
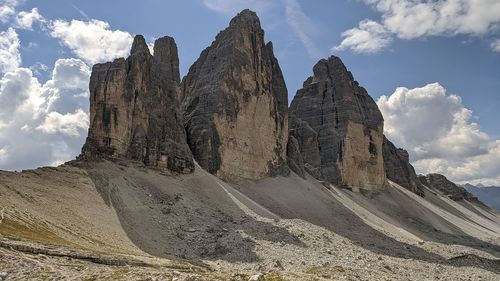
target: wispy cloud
<point>81,12</point>
<point>302,26</point>
<point>232,7</point>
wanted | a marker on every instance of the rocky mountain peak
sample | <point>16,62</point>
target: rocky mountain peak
<point>446,187</point>
<point>398,168</point>
<point>139,45</point>
<point>339,129</point>
<point>245,19</point>
<point>134,109</point>
<point>235,104</point>
<point>166,54</point>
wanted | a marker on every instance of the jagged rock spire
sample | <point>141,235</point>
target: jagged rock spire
<point>339,128</point>
<point>235,104</point>
<point>134,110</point>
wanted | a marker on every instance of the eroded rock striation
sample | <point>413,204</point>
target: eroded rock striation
<point>398,168</point>
<point>134,110</point>
<point>235,104</point>
<point>339,128</point>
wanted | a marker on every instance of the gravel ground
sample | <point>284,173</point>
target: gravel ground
<point>108,221</point>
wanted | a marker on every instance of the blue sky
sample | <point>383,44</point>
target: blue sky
<point>385,43</point>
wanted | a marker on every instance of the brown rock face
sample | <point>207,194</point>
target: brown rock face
<point>339,128</point>
<point>398,168</point>
<point>235,104</point>
<point>134,111</point>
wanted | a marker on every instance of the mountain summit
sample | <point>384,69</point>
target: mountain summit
<point>134,110</point>
<point>235,104</point>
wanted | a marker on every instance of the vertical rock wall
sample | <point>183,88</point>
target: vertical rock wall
<point>235,104</point>
<point>339,128</point>
<point>398,168</point>
<point>134,108</point>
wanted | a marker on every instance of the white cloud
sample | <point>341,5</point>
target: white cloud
<point>39,67</point>
<point>6,12</point>
<point>10,58</point>
<point>25,20</point>
<point>7,9</point>
<point>43,124</point>
<point>436,129</point>
<point>410,19</point>
<point>495,45</point>
<point>68,124</point>
<point>369,37</point>
<point>302,26</point>
<point>92,41</point>
<point>3,154</point>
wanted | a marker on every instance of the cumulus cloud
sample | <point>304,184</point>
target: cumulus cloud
<point>25,20</point>
<point>43,124</point>
<point>7,9</point>
<point>437,130</point>
<point>68,124</point>
<point>495,45</point>
<point>410,19</point>
<point>10,58</point>
<point>6,12</point>
<point>92,41</point>
<point>368,37</point>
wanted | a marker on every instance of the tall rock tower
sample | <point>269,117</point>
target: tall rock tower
<point>338,129</point>
<point>235,104</point>
<point>134,110</point>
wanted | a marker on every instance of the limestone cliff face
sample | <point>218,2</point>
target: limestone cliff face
<point>443,185</point>
<point>134,110</point>
<point>235,104</point>
<point>339,128</point>
<point>398,168</point>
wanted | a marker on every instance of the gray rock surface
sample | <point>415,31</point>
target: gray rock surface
<point>398,168</point>
<point>339,128</point>
<point>134,110</point>
<point>442,184</point>
<point>235,104</point>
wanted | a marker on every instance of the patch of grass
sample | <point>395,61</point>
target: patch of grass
<point>314,269</point>
<point>13,229</point>
<point>273,276</point>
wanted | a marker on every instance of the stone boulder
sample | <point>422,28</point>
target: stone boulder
<point>398,168</point>
<point>235,103</point>
<point>339,128</point>
<point>134,108</point>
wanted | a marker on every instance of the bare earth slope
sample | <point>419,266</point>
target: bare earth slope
<point>119,220</point>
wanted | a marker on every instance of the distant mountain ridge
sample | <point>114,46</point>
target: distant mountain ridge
<point>489,195</point>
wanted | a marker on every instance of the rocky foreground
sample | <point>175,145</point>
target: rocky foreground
<point>214,177</point>
<point>122,221</point>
